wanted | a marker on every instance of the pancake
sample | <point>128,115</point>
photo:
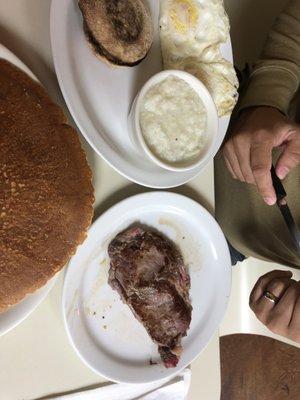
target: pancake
<point>120,32</point>
<point>46,194</point>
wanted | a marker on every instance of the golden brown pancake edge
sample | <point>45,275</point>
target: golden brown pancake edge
<point>46,192</point>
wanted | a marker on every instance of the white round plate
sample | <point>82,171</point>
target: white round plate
<point>103,330</point>
<point>15,315</point>
<point>99,97</point>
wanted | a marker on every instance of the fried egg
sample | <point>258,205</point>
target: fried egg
<point>191,32</point>
<point>221,81</point>
<point>192,26</point>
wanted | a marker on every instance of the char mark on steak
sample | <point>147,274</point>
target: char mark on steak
<point>148,272</point>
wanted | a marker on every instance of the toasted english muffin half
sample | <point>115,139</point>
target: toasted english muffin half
<point>120,32</point>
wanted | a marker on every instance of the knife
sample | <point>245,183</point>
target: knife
<point>284,208</point>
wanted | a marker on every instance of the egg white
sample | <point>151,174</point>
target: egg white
<point>191,32</point>
<point>221,81</point>
<point>192,27</point>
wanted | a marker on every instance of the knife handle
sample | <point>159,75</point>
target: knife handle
<point>278,186</point>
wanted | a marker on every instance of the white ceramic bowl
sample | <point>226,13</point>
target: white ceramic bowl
<point>135,130</point>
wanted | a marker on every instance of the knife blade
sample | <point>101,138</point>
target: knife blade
<point>284,208</point>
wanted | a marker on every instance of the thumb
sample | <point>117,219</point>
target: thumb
<point>289,158</point>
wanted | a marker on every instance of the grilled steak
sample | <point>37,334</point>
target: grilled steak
<point>120,32</point>
<point>150,276</point>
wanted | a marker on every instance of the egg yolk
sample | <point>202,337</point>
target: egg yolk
<point>184,15</point>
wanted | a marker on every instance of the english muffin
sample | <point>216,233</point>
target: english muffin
<point>120,32</point>
<point>46,194</point>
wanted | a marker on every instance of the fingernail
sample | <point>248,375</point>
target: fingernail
<point>270,200</point>
<point>282,172</point>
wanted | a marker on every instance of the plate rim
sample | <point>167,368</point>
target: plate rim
<point>93,227</point>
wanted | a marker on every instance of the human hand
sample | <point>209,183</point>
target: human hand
<point>248,151</point>
<point>282,317</point>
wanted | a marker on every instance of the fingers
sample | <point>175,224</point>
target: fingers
<point>263,306</point>
<point>289,159</point>
<point>230,155</point>
<point>248,152</point>
<point>282,318</point>
<point>284,309</point>
<point>278,287</point>
<point>229,167</point>
<point>242,151</point>
<point>261,162</point>
<point>294,325</point>
<point>251,164</point>
<point>263,282</point>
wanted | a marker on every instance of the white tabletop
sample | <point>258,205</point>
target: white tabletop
<point>36,358</point>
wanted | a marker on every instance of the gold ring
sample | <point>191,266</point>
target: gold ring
<point>271,297</point>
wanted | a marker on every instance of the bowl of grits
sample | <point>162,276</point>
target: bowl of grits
<point>174,121</point>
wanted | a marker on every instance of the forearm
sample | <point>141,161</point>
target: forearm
<point>276,76</point>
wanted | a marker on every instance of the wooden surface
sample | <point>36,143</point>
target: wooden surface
<point>255,367</point>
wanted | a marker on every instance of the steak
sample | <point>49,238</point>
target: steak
<point>148,272</point>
